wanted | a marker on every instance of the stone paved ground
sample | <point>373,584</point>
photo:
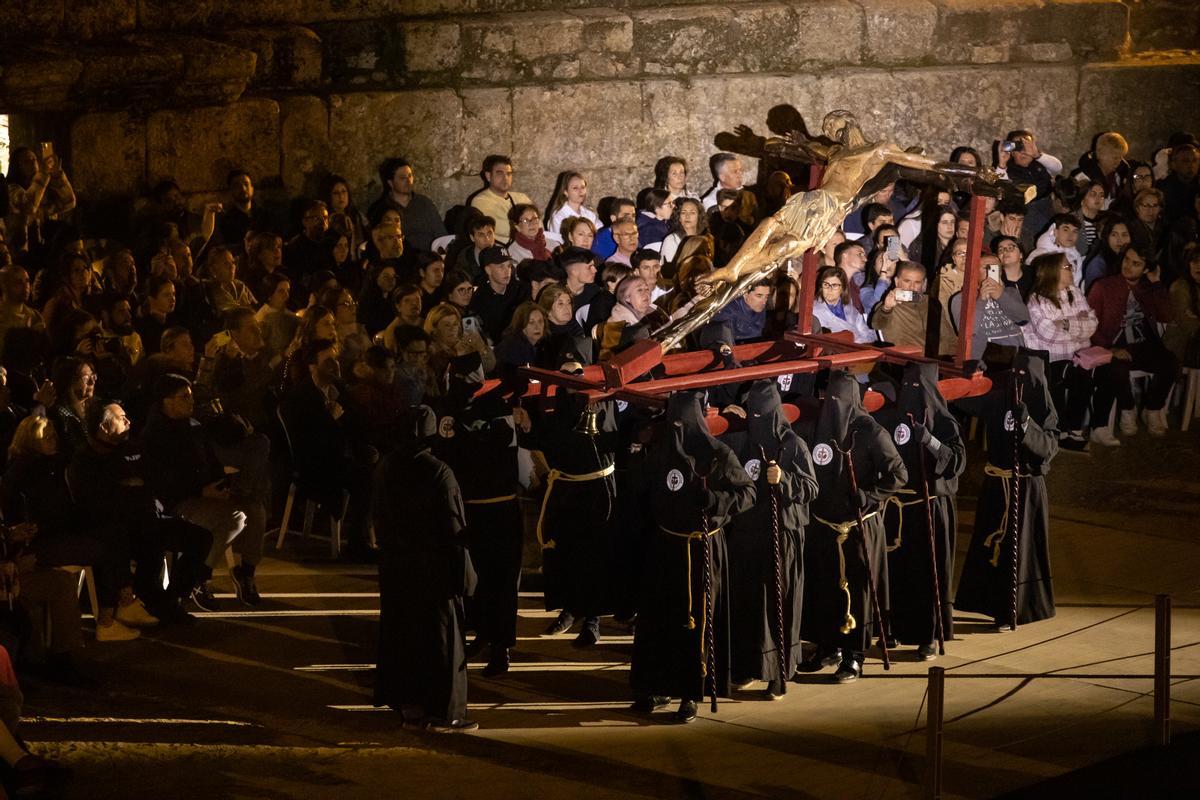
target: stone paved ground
<point>273,704</point>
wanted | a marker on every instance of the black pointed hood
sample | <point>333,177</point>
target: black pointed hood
<point>841,407</point>
<point>685,414</point>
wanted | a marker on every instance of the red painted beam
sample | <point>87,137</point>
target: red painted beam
<point>970,289</point>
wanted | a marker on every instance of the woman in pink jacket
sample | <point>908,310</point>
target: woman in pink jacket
<point>1062,323</point>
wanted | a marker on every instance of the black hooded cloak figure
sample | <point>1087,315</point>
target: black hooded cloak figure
<point>924,431</point>
<point>756,604</point>
<point>1028,429</point>
<point>693,486</point>
<point>578,440</point>
<point>477,439</point>
<point>832,557</point>
<point>424,574</point>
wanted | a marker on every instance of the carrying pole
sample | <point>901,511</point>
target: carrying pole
<point>933,733</point>
<point>1162,670</point>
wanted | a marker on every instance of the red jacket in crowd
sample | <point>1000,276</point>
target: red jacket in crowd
<point>1109,296</point>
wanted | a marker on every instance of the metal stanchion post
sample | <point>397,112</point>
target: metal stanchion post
<point>1162,670</point>
<point>933,733</point>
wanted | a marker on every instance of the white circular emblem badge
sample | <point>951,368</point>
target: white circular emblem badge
<point>621,406</point>
<point>1010,424</point>
<point>446,427</point>
<point>753,467</point>
<point>902,433</point>
<point>674,480</point>
<point>785,383</point>
<point>822,454</point>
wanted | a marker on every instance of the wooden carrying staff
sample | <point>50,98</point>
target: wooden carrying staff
<point>866,556</point>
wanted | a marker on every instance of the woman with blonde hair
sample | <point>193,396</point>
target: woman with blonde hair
<point>444,324</point>
<point>570,194</point>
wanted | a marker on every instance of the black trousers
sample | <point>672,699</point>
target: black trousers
<point>190,545</point>
<point>1112,380</point>
<point>105,550</point>
<point>1071,390</point>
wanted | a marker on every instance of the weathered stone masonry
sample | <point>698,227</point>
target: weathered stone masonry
<point>137,90</point>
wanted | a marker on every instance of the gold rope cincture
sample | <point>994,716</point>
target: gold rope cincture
<point>558,475</point>
<point>487,501</point>
<point>900,505</point>
<point>996,537</point>
<point>699,536</point>
<point>843,532</point>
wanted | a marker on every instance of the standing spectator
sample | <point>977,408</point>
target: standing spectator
<point>688,219</point>
<point>1062,323</point>
<point>727,174</point>
<point>497,197</point>
<point>1105,164</point>
<point>239,371</point>
<point>1128,308</point>
<point>670,173</point>
<point>1180,187</point>
<point>518,346</point>
<point>903,314</point>
<point>14,295</point>
<point>335,193</point>
<point>1147,224</point>
<point>851,259</point>
<point>655,209</point>
<point>448,340</point>
<point>422,222</point>
<point>1027,164</point>
<point>38,193</point>
<point>1000,313</point>
<point>568,200</point>
<point>240,214</point>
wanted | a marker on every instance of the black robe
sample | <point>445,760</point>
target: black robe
<point>689,481</point>
<point>576,516</point>
<point>986,587</point>
<point>756,604</point>
<point>880,472</point>
<point>920,407</point>
<point>477,440</point>
<point>424,573</point>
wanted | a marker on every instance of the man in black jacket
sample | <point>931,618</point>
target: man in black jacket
<point>107,481</point>
<point>496,299</point>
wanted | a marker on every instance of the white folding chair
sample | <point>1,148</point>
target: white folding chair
<point>310,505</point>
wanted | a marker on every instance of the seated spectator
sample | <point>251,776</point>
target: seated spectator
<point>1062,323</point>
<point>556,301</point>
<point>851,259</point>
<point>449,339</point>
<point>1147,223</point>
<point>625,235</point>
<point>497,297</point>
<point>876,278</point>
<point>225,291</point>
<point>727,173</point>
<point>951,269</point>
<point>305,253</point>
<point>647,264</point>
<point>159,305</point>
<point>14,296</point>
<point>577,232</point>
<point>655,209</point>
<point>1091,214</point>
<point>375,309</point>
<point>528,236</point>
<point>413,348</point>
<point>1179,188</point>
<point>388,240</point>
<point>335,193</point>
<point>177,354</point>
<point>616,208</point>
<point>1129,308</point>
<point>238,369</point>
<point>1000,313</point>
<point>406,301</point>
<point>278,322</point>
<point>348,268</point>
<point>569,200</point>
<point>66,287</point>
<point>352,336</point>
<point>518,346</point>
<point>119,271</point>
<point>376,398</point>
<point>422,222</point>
<point>35,491</point>
<point>108,481</point>
<point>333,468</point>
<point>1183,331</point>
<point>1105,163</point>
<point>688,219</point>
<point>727,229</point>
<point>834,311</point>
<point>74,386</point>
<point>264,257</point>
<point>116,329</point>
<point>1013,271</point>
<point>1025,163</point>
<point>458,289</point>
<point>432,270</point>
<point>482,231</point>
<point>185,474</point>
<point>903,314</point>
<point>239,213</point>
<point>747,316</point>
<point>537,275</point>
<point>497,197</point>
<point>1061,237</point>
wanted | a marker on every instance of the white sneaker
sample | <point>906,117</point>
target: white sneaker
<point>116,632</point>
<point>135,615</point>
<point>1105,437</point>
<point>1129,424</point>
<point>1156,421</point>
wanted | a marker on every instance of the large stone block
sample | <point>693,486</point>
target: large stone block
<point>91,19</point>
<point>588,124</point>
<point>682,40</point>
<point>539,35</point>
<point>303,143</point>
<point>762,36</point>
<point>30,20</point>
<point>487,126</point>
<point>431,46</point>
<point>44,82</point>
<point>827,32</point>
<point>126,74</point>
<point>1109,93</point>
<point>286,56</point>
<point>199,146</point>
<point>898,31</point>
<point>1164,24</point>
<point>109,154</point>
<point>605,29</point>
<point>1095,29</point>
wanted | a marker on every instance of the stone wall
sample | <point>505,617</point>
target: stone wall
<point>294,89</point>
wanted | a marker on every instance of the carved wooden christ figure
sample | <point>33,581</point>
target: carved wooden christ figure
<point>809,219</point>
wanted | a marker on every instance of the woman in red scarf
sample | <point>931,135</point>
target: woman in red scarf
<point>529,240</point>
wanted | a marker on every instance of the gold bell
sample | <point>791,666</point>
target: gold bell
<point>849,625</point>
<point>589,421</point>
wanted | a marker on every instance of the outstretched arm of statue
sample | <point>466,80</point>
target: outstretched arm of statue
<point>959,176</point>
<point>795,146</point>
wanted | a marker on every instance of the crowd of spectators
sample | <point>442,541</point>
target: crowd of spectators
<point>157,377</point>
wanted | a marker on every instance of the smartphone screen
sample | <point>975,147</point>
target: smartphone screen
<point>893,247</point>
